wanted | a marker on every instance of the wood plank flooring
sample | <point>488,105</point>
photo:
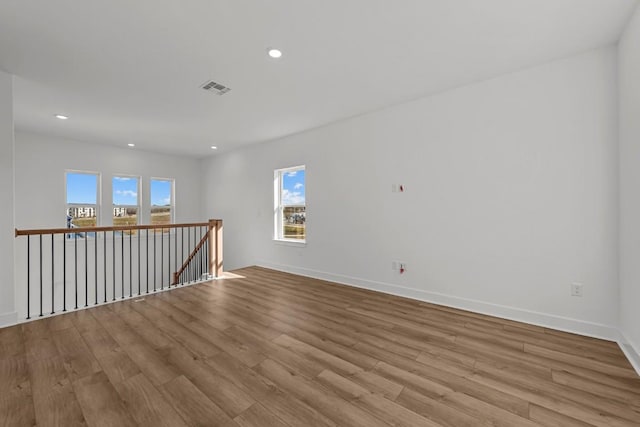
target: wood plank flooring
<point>273,349</point>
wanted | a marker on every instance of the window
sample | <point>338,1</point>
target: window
<point>162,195</point>
<point>126,190</point>
<point>290,206</point>
<point>82,196</point>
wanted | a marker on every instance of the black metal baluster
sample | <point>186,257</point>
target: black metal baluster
<point>28,276</point>
<point>95,265</point>
<point>139,235</point>
<point>195,254</point>
<point>104,257</point>
<point>169,255</point>
<point>147,260</point>
<point>86,272</point>
<point>182,249</point>
<point>75,245</point>
<point>189,272</point>
<point>161,258</point>
<point>64,273</point>
<point>194,264</point>
<point>40,275</point>
<point>52,276</point>
<point>154,259</point>
<point>130,273</point>
<point>122,263</point>
<point>113,263</point>
<point>175,252</point>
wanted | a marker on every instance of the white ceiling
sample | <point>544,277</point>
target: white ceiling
<point>130,71</point>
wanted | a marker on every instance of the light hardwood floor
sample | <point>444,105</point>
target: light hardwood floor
<point>274,349</point>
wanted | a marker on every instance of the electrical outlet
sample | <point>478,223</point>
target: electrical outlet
<point>576,289</point>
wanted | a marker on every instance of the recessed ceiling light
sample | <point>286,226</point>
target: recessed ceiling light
<point>131,144</point>
<point>213,147</point>
<point>274,53</point>
<point>61,117</point>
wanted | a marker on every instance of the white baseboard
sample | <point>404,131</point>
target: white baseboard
<point>8,319</point>
<point>551,321</point>
<point>631,351</point>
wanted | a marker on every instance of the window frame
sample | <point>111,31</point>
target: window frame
<point>95,206</point>
<point>172,205</point>
<point>278,217</point>
<point>138,197</point>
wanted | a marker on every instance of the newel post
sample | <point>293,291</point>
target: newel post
<point>215,247</point>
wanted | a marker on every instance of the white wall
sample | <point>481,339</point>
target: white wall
<point>629,90</point>
<point>7,314</point>
<point>511,195</point>
<point>40,164</point>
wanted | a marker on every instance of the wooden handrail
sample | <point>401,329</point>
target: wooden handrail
<point>214,239</point>
<point>214,233</point>
<point>202,263</point>
<point>191,256</point>
<point>98,229</point>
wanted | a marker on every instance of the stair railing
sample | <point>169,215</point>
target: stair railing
<point>72,268</point>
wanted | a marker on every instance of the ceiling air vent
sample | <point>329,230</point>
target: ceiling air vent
<point>214,87</point>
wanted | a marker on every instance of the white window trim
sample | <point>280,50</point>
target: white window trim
<point>278,208</point>
<point>139,197</point>
<point>172,205</point>
<point>81,205</point>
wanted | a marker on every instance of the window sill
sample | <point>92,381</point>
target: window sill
<point>290,242</point>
